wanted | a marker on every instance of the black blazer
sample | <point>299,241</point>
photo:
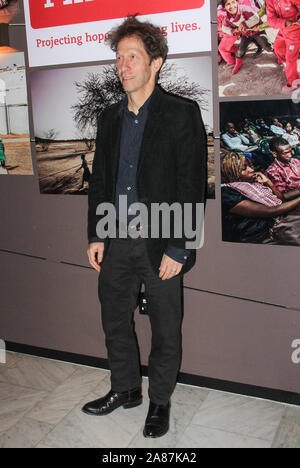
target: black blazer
<point>172,165</point>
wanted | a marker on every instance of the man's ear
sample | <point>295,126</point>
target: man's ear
<point>274,154</point>
<point>157,63</point>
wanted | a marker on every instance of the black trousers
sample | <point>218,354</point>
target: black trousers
<point>124,268</point>
<point>259,39</point>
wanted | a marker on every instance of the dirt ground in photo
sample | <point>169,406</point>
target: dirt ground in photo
<point>18,154</point>
<point>257,76</point>
<point>57,167</point>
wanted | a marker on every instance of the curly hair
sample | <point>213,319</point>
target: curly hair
<point>152,36</point>
<point>232,165</point>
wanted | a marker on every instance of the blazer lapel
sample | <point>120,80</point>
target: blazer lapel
<point>151,127</point>
<point>115,145</point>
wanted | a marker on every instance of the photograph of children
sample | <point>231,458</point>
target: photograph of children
<point>259,43</point>
<point>15,151</point>
<point>260,172</point>
<point>8,10</point>
<point>67,103</point>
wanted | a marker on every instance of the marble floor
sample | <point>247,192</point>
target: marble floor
<point>41,400</point>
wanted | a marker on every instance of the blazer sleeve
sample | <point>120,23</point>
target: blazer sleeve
<point>191,174</point>
<point>96,192</point>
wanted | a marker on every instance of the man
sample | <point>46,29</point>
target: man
<point>151,147</point>
<point>285,170</point>
<point>263,129</point>
<point>236,141</point>
<point>277,127</point>
<point>283,15</point>
<point>249,133</point>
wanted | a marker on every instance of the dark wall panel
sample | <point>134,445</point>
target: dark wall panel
<point>54,227</point>
<point>50,305</point>
<point>240,341</point>
<point>55,306</point>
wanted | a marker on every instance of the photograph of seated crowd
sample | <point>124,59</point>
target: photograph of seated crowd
<point>260,173</point>
<point>259,43</point>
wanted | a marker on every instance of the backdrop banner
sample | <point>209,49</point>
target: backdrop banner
<point>73,31</point>
<point>65,133</point>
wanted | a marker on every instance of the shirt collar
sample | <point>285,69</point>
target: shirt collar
<point>282,164</point>
<point>144,108</point>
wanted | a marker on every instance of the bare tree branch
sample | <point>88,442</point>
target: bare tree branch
<point>100,90</point>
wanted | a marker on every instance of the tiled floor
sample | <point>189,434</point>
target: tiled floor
<point>41,400</point>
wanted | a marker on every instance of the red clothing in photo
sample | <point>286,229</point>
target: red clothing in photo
<point>228,29</point>
<point>287,42</point>
<point>250,3</point>
<point>246,17</point>
<point>221,15</point>
<point>286,177</point>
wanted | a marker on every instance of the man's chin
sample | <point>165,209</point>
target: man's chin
<point>128,85</point>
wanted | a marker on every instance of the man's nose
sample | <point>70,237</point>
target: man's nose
<point>124,64</point>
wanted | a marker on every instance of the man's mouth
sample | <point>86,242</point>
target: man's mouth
<point>127,77</point>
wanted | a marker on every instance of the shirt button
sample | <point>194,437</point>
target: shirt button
<point>128,188</point>
<point>136,121</point>
<point>185,257</point>
<point>131,165</point>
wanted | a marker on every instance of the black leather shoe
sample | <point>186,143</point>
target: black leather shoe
<point>157,421</point>
<point>112,401</point>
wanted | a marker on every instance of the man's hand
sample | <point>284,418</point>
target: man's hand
<point>242,28</point>
<point>255,29</point>
<point>95,254</point>
<point>261,178</point>
<point>169,268</point>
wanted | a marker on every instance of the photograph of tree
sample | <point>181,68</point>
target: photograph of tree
<point>260,172</point>
<point>259,43</point>
<point>15,151</point>
<point>68,102</point>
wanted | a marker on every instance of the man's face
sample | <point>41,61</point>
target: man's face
<point>284,154</point>
<point>133,64</point>
<point>231,6</point>
<point>231,128</point>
